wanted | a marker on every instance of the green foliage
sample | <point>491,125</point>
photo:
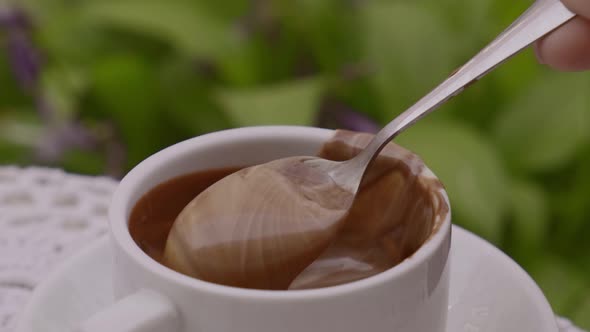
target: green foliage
<point>571,203</point>
<point>582,313</point>
<point>529,223</point>
<point>83,161</point>
<point>124,88</point>
<point>470,169</point>
<point>189,102</point>
<point>405,65</point>
<point>564,288</point>
<point>291,103</point>
<point>543,128</point>
<point>19,133</point>
<point>139,75</point>
<point>20,129</point>
<point>181,23</point>
<point>338,43</point>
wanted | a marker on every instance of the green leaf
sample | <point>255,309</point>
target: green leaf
<point>182,23</point>
<point>409,49</point>
<point>581,315</point>
<point>188,100</point>
<point>470,20</point>
<point>20,128</point>
<point>470,169</point>
<point>11,93</point>
<point>84,162</point>
<point>562,286</point>
<point>571,202</point>
<point>543,128</point>
<point>329,28</point>
<point>291,103</point>
<point>12,154</point>
<point>62,88</point>
<point>225,9</point>
<point>515,77</point>
<point>256,61</point>
<point>124,87</point>
<point>241,67</point>
<point>504,12</point>
<point>20,132</point>
<point>530,220</point>
<point>61,32</point>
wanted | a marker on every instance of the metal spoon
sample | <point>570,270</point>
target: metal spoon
<point>261,226</point>
<point>541,18</point>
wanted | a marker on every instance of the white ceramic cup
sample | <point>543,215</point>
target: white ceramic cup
<point>410,297</point>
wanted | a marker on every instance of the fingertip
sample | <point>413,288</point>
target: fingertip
<point>580,7</point>
<point>568,48</point>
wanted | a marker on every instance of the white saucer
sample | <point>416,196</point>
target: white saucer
<point>489,292</point>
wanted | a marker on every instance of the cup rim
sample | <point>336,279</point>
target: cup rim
<point>122,238</point>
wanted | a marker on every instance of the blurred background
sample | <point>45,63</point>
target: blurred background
<point>95,86</point>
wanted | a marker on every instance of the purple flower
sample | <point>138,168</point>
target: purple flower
<point>335,114</point>
<point>352,120</point>
<point>13,19</point>
<point>24,58</point>
<point>59,139</point>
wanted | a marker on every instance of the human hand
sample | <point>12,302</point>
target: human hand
<point>568,48</point>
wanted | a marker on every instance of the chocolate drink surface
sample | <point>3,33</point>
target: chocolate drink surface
<point>153,215</point>
<point>395,212</point>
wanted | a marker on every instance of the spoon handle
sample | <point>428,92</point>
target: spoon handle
<point>541,18</point>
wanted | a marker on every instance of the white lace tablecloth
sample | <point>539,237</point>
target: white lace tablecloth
<point>47,215</point>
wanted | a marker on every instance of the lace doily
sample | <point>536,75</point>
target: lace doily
<point>47,215</point>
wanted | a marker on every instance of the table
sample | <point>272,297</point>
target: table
<point>46,215</point>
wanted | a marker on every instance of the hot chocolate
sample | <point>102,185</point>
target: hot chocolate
<point>394,213</point>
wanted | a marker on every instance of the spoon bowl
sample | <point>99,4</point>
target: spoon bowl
<point>275,205</point>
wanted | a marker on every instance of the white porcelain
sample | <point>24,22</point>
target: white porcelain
<point>488,292</point>
<point>410,297</point>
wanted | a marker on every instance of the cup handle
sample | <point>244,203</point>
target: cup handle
<point>143,311</point>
